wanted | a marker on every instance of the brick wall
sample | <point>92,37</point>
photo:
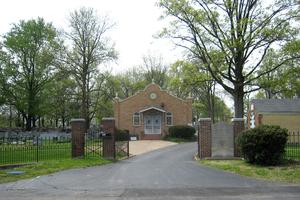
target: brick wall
<point>78,131</point>
<point>124,109</point>
<point>204,138</point>
<point>108,126</point>
<point>238,127</point>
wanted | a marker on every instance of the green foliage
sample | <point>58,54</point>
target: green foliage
<point>263,145</point>
<point>154,69</point>
<point>121,135</point>
<point>90,48</point>
<point>188,78</point>
<point>31,49</point>
<point>182,131</point>
<point>283,82</point>
<point>231,38</point>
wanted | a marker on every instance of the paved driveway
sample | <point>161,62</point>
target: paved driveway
<point>143,146</point>
<point>169,173</point>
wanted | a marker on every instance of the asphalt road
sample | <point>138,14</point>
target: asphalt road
<point>169,173</point>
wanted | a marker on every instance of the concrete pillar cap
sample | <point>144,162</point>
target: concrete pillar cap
<point>204,119</point>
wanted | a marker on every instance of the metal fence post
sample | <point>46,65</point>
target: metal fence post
<point>37,148</point>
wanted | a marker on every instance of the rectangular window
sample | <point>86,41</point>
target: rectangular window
<point>136,119</point>
<point>169,119</point>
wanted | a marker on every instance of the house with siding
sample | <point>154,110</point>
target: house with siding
<point>282,112</point>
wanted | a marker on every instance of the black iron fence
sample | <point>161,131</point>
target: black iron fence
<point>101,144</point>
<point>292,149</point>
<point>93,144</point>
<point>26,149</point>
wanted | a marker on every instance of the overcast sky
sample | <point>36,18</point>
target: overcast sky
<point>136,23</point>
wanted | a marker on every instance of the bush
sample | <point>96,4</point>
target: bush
<point>182,131</point>
<point>121,135</point>
<point>263,145</point>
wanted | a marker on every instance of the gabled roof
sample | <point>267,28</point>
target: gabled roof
<point>145,90</point>
<point>152,108</point>
<point>277,105</point>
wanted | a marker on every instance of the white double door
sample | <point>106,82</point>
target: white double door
<point>152,124</point>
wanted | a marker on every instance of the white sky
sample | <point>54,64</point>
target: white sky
<point>137,22</point>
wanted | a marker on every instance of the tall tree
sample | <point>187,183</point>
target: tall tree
<point>31,49</point>
<point>154,69</point>
<point>231,38</point>
<point>90,48</point>
<point>285,81</point>
<point>187,78</point>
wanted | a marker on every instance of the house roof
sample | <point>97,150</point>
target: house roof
<point>277,105</point>
<point>152,107</point>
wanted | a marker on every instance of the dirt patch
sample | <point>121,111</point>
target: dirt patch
<point>144,146</point>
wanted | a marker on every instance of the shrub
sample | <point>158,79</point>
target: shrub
<point>121,135</point>
<point>263,145</point>
<point>182,131</point>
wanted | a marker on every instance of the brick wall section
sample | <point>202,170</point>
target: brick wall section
<point>78,131</point>
<point>204,139</point>
<point>238,127</point>
<point>108,126</point>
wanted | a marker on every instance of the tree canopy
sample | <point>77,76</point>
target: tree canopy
<point>30,50</point>
<point>232,38</point>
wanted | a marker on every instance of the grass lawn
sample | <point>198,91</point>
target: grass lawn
<point>292,152</point>
<point>289,173</point>
<point>48,167</point>
<point>10,154</point>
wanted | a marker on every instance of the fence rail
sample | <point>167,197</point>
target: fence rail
<point>14,150</point>
<point>292,149</point>
<point>93,145</point>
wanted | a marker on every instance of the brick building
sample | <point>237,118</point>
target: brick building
<point>151,111</point>
<point>282,112</point>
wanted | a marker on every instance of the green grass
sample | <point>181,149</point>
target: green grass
<point>26,153</point>
<point>289,172</point>
<point>292,152</point>
<point>48,167</point>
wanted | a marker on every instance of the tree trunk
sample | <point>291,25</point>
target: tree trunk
<point>28,123</point>
<point>19,120</point>
<point>34,121</point>
<point>63,122</point>
<point>10,116</point>
<point>39,119</point>
<point>238,102</point>
<point>23,121</point>
<point>84,112</point>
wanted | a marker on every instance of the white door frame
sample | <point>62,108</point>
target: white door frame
<point>152,124</point>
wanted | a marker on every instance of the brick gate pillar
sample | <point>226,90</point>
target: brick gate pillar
<point>108,126</point>
<point>238,127</point>
<point>78,131</point>
<point>204,138</point>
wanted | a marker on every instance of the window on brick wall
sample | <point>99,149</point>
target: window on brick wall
<point>136,119</point>
<point>169,119</point>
